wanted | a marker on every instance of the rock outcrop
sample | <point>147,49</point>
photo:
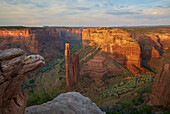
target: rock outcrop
<point>14,66</point>
<point>115,42</point>
<point>155,53</point>
<point>69,67</point>
<point>66,103</point>
<point>72,69</point>
<point>160,90</point>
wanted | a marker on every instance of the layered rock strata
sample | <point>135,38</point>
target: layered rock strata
<point>115,42</point>
<point>49,42</point>
<point>66,103</point>
<point>152,45</point>
<point>160,90</point>
<point>72,69</point>
<point>14,66</point>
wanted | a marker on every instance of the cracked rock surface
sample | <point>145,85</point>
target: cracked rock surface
<point>66,103</point>
<point>14,66</point>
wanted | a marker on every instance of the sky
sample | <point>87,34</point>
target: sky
<point>87,13</point>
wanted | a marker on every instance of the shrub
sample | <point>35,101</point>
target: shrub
<point>31,81</point>
<point>60,78</point>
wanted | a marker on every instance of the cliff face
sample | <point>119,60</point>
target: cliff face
<point>153,45</point>
<point>17,38</point>
<point>116,43</point>
<point>164,40</point>
<point>49,42</point>
<point>160,90</point>
<point>14,66</point>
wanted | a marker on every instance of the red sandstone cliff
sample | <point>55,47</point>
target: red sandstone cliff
<point>115,42</point>
<point>160,90</point>
<point>49,42</point>
<point>14,66</point>
<point>18,38</point>
<point>152,45</point>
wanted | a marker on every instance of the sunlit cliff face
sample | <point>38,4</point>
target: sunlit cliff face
<point>115,42</point>
<point>18,38</point>
<point>49,42</point>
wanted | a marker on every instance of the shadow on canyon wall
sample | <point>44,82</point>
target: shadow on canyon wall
<point>147,44</point>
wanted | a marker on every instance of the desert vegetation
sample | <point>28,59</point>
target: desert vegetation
<point>128,85</point>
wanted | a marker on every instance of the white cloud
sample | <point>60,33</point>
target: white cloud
<point>82,12</point>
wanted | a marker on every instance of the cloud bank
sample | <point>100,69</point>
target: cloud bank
<point>84,12</point>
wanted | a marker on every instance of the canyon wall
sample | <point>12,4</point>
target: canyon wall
<point>14,66</point>
<point>18,38</point>
<point>160,90</point>
<point>49,42</point>
<point>152,45</point>
<point>116,43</point>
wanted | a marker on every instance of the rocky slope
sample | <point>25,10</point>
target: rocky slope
<point>14,66</point>
<point>66,103</point>
<point>116,43</point>
<point>160,91</point>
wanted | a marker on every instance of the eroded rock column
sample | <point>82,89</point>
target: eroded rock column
<point>69,66</point>
<point>72,68</point>
<point>76,68</point>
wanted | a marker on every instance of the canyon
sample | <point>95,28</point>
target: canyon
<point>49,42</point>
<point>116,43</point>
<point>106,56</point>
<point>14,67</point>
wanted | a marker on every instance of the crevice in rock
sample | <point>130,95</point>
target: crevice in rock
<point>15,100</point>
<point>1,71</point>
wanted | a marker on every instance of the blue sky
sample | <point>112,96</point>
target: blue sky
<point>84,12</point>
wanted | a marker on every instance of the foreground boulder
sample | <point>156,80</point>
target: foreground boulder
<point>66,103</point>
<point>14,66</point>
<point>160,91</point>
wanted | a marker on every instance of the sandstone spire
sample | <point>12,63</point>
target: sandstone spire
<point>69,66</point>
<point>72,72</point>
<point>76,68</point>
